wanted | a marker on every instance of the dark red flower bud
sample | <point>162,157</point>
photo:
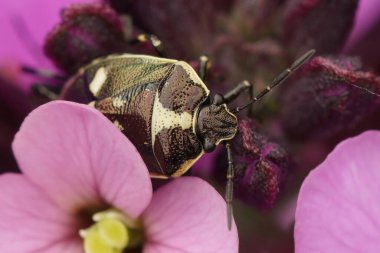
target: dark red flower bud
<point>260,166</point>
<point>185,27</point>
<point>124,6</point>
<point>257,183</point>
<point>327,97</point>
<point>320,24</point>
<point>86,32</point>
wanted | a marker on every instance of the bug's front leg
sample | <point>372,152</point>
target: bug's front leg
<point>44,91</point>
<point>239,89</point>
<point>204,66</point>
<point>153,39</point>
<point>234,93</point>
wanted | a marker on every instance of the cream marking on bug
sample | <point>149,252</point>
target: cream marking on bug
<point>118,125</point>
<point>98,81</point>
<point>142,58</point>
<point>148,58</point>
<point>187,165</point>
<point>165,118</point>
<point>118,102</point>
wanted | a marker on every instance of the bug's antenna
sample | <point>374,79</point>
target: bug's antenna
<point>229,187</point>
<point>42,73</point>
<point>279,79</point>
<point>366,90</point>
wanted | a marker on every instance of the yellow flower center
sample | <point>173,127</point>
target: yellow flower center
<point>112,232</point>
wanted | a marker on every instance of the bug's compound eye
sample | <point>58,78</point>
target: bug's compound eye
<point>208,146</point>
<point>218,99</point>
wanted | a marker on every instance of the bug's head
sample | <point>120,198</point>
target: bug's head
<point>215,124</point>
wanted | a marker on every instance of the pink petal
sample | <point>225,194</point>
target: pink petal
<point>188,215</point>
<point>366,17</point>
<point>24,26</point>
<point>365,37</point>
<point>338,206</point>
<point>30,222</point>
<point>80,158</point>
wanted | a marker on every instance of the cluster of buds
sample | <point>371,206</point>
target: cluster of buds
<point>331,95</point>
<point>260,166</point>
<point>85,33</point>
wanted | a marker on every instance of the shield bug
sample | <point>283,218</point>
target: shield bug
<point>163,106</point>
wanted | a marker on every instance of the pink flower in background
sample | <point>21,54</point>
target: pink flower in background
<point>24,25</point>
<point>339,205</point>
<point>76,166</point>
<point>364,37</point>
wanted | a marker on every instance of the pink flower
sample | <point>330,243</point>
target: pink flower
<point>24,25</point>
<point>80,174</point>
<point>367,15</point>
<point>364,38</point>
<point>339,205</point>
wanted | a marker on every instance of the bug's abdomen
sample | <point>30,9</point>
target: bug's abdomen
<point>131,111</point>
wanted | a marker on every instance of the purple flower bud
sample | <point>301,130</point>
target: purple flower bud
<point>185,27</point>
<point>87,31</point>
<point>260,166</point>
<point>328,97</point>
<point>257,183</point>
<point>123,6</point>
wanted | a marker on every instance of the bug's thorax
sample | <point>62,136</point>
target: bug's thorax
<point>215,123</point>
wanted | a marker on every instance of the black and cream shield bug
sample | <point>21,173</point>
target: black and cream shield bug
<point>163,106</point>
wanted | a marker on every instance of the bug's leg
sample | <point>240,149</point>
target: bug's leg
<point>229,187</point>
<point>239,89</point>
<point>154,40</point>
<point>44,91</point>
<point>42,73</point>
<point>204,66</point>
<point>156,175</point>
<point>187,173</point>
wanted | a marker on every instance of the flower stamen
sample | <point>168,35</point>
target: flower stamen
<point>111,232</point>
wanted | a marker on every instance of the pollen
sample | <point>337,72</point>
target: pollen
<point>111,233</point>
<point>118,102</point>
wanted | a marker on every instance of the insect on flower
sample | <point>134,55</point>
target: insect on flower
<point>163,106</point>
